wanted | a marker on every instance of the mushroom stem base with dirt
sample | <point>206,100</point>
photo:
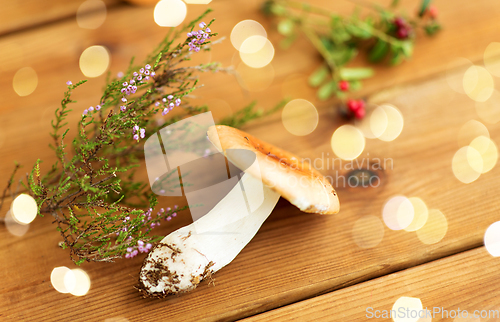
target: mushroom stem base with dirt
<point>194,252</point>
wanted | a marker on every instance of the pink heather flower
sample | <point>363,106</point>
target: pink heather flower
<point>141,70</point>
<point>136,137</point>
<point>91,109</point>
<point>134,88</point>
<point>119,75</point>
<point>125,84</point>
<point>197,49</point>
<point>169,218</point>
<point>162,210</point>
<point>153,225</point>
<point>139,77</point>
<point>134,253</point>
<point>171,105</point>
<point>174,214</point>
<point>208,30</point>
<point>202,24</point>
<point>136,128</point>
<point>175,206</point>
<point>132,81</point>
<point>143,133</point>
<point>123,108</point>
<point>157,104</point>
<point>141,249</point>
<point>153,74</point>
<point>148,246</point>
<point>130,249</point>
<point>146,78</point>
<point>165,111</point>
<point>178,102</point>
<point>85,112</point>
<point>189,34</point>
<point>97,107</point>
<point>124,90</point>
<point>164,100</point>
<point>146,72</point>
<point>170,97</point>
<point>127,255</point>
<point>147,66</point>
<point>124,100</point>
<point>140,243</point>
<point>168,209</point>
<point>135,74</point>
<point>69,83</point>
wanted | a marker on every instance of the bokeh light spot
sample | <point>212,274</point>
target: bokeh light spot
<point>411,305</point>
<point>471,130</point>
<point>395,123</point>
<point>378,121</point>
<point>492,239</point>
<point>59,280</point>
<point>398,213</point>
<point>489,111</point>
<point>245,29</point>
<point>256,51</point>
<point>300,117</point>
<point>461,166</point>
<point>94,61</point>
<point>15,228</point>
<point>25,81</point>
<point>91,14</point>
<point>348,142</point>
<point>421,213</point>
<point>82,282</point>
<point>489,153</point>
<point>368,231</point>
<point>170,13</point>
<point>434,229</point>
<point>24,209</point>
<point>491,58</point>
<point>478,83</point>
<point>255,80</point>
<point>455,74</point>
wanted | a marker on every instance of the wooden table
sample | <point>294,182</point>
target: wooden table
<point>299,267</point>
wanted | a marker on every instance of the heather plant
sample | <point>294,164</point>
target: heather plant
<point>102,210</point>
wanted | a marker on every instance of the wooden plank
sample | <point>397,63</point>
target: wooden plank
<point>295,255</point>
<point>447,288</point>
<point>22,14</point>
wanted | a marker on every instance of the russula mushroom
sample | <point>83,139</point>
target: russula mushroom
<point>192,253</point>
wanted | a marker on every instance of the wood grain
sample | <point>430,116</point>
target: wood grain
<point>24,14</point>
<point>295,256</point>
<point>466,281</point>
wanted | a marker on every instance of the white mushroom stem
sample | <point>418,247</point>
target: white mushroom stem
<point>190,254</point>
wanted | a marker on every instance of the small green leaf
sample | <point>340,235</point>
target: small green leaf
<point>285,27</point>
<point>327,90</point>
<point>355,73</point>
<point>355,85</point>
<point>356,31</point>
<point>378,52</point>
<point>319,76</point>
<point>425,4</point>
<point>407,48</point>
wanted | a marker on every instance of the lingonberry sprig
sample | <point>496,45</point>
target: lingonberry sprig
<point>91,191</point>
<point>387,36</point>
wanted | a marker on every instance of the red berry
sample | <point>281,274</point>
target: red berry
<point>360,112</point>
<point>433,12</point>
<point>361,104</point>
<point>344,85</point>
<point>402,33</point>
<point>400,22</point>
<point>353,105</point>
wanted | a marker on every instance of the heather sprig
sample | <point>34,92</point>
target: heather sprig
<point>386,35</point>
<point>92,191</point>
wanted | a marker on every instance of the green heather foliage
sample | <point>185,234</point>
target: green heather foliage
<point>101,210</point>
